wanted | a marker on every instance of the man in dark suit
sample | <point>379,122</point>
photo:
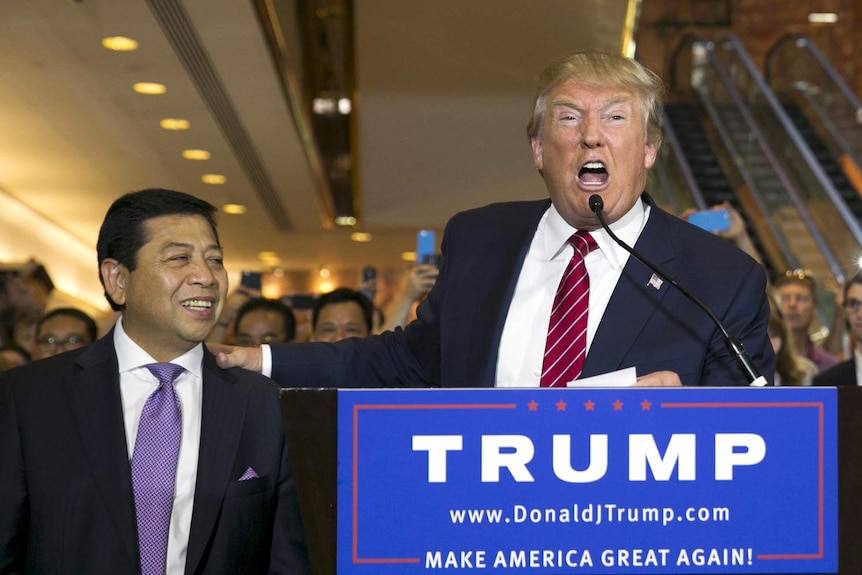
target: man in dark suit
<point>595,130</point>
<point>847,372</point>
<point>70,502</point>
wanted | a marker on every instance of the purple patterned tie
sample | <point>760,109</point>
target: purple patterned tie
<point>154,467</point>
<point>566,346</point>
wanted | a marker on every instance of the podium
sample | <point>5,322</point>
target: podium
<point>311,423</point>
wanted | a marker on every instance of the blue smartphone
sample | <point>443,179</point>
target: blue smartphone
<point>426,247</point>
<point>711,220</point>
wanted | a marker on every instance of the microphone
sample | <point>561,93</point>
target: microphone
<point>733,344</point>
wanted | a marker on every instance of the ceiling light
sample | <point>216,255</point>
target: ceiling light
<point>345,221</point>
<point>823,18</point>
<point>409,256</point>
<point>215,179</point>
<point>324,106</point>
<point>233,209</point>
<point>196,154</point>
<point>324,272</point>
<point>360,237</point>
<point>149,88</point>
<point>175,124</point>
<point>119,43</point>
<point>269,259</point>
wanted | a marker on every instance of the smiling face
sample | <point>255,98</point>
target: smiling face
<point>174,295</point>
<point>592,141</point>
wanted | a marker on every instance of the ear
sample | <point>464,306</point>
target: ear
<point>536,144</point>
<point>650,153</point>
<point>114,276</point>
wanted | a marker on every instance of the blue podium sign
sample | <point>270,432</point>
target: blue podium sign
<point>545,481</point>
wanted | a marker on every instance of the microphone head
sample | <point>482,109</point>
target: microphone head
<point>596,203</point>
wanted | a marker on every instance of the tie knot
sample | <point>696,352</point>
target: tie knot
<point>583,242</point>
<point>166,373</point>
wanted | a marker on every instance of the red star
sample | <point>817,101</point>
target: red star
<point>589,405</point>
<point>561,405</point>
<point>618,405</point>
<point>645,405</point>
<point>533,405</point>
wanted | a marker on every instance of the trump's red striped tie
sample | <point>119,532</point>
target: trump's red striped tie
<point>566,347</point>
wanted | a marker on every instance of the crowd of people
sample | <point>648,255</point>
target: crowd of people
<point>552,299</point>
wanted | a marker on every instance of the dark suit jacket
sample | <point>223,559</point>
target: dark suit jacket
<point>841,374</point>
<point>66,503</point>
<point>455,340</point>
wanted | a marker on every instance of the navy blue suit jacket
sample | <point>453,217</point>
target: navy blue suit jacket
<point>455,340</point>
<point>66,503</point>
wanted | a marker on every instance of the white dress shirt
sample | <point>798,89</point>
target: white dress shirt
<point>136,385</point>
<point>522,346</point>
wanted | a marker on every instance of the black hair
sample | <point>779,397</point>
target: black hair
<point>274,305</point>
<point>122,232</point>
<point>92,330</point>
<point>341,295</point>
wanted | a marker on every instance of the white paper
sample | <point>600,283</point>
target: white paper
<point>622,378</point>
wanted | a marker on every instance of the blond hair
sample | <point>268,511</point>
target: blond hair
<point>595,69</point>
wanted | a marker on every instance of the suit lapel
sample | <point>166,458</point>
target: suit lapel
<point>512,248</point>
<point>635,298</point>
<point>94,399</point>
<point>222,420</point>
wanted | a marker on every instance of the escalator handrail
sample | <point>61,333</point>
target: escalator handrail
<point>825,66</point>
<point>800,144</point>
<point>671,139</point>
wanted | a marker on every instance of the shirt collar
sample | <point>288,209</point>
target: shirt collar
<point>131,356</point>
<point>628,228</point>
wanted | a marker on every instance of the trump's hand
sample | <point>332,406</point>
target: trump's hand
<point>659,379</point>
<point>250,358</point>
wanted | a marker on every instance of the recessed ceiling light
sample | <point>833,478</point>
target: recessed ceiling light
<point>345,221</point>
<point>360,237</point>
<point>175,124</point>
<point>823,18</point>
<point>196,154</point>
<point>149,88</point>
<point>233,209</point>
<point>119,43</point>
<point>215,179</point>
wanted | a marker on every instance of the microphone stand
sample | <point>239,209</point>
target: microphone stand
<point>733,344</point>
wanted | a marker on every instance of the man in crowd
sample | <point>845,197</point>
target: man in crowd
<point>261,320</point>
<point>848,372</point>
<point>340,314</point>
<point>138,454</point>
<point>493,316</point>
<point>63,329</point>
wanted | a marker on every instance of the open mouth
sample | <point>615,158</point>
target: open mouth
<point>593,174</point>
<point>197,304</point>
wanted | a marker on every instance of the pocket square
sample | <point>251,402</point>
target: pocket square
<point>248,474</point>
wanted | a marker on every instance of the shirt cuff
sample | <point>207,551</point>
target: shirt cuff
<point>266,360</point>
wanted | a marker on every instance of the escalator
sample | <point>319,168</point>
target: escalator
<point>824,110</point>
<point>790,205</point>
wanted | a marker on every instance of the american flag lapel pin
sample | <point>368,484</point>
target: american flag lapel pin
<point>655,282</point>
